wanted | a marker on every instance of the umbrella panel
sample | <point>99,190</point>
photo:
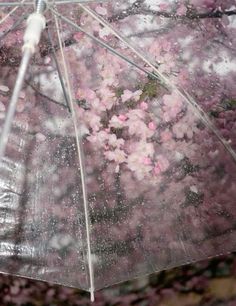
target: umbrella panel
<point>42,216</point>
<point>160,183</point>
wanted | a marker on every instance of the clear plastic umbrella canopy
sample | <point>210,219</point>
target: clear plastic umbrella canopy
<point>117,137</point>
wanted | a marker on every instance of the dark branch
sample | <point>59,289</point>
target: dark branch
<point>191,14</point>
<point>45,96</point>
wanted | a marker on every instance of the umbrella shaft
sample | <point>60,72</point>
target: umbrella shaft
<point>40,6</point>
<point>12,107</point>
<point>35,25</point>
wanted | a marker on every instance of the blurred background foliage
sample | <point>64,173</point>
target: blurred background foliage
<point>207,283</point>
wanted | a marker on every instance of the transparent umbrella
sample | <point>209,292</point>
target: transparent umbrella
<point>117,137</point>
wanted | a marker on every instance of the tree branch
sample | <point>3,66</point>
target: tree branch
<point>191,14</point>
<point>45,96</point>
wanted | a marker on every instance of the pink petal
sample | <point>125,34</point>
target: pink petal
<point>147,161</point>
<point>122,118</point>
<point>152,126</point>
<point>144,106</point>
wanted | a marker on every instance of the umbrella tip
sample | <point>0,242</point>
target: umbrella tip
<point>92,298</point>
<point>40,6</point>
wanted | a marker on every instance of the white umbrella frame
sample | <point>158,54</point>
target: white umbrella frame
<point>29,49</point>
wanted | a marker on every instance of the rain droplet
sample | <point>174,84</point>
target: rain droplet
<point>2,107</point>
<point>4,88</point>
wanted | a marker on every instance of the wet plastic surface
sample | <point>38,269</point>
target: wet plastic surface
<point>159,171</point>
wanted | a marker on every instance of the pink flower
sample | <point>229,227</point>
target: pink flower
<point>22,95</point>
<point>166,136</point>
<point>155,49</point>
<point>157,170</point>
<point>122,118</point>
<point>128,95</point>
<point>182,10</point>
<point>135,164</point>
<point>144,106</point>
<point>108,98</point>
<point>20,106</point>
<point>101,10</point>
<point>97,105</point>
<point>93,120</point>
<point>86,93</point>
<point>99,138</point>
<point>142,148</point>
<point>136,125</point>
<point>152,126</point>
<point>2,107</point>
<point>40,137</point>
<point>114,141</point>
<point>109,76</point>
<point>136,114</point>
<point>147,161</point>
<point>117,156</point>
<point>166,45</point>
<point>167,63</point>
<point>78,35</point>
<point>183,77</point>
<point>139,128</point>
<point>162,164</point>
<point>164,6</point>
<point>172,106</point>
<point>186,127</point>
<point>180,129</point>
<point>116,123</point>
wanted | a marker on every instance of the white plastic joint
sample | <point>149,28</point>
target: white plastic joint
<point>36,23</point>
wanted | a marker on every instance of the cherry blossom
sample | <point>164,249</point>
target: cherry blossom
<point>157,151</point>
<point>173,105</point>
<point>128,95</point>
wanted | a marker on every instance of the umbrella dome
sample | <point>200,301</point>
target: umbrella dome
<point>120,158</point>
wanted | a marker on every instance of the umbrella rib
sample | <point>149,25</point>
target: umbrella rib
<point>137,52</point>
<point>79,1</point>
<point>196,108</point>
<point>103,44</point>
<point>14,26</point>
<point>58,70</point>
<point>17,4</point>
<point>81,165</point>
<point>12,11</point>
<point>106,46</point>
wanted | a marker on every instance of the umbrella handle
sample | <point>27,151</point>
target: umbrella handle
<point>36,23</point>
